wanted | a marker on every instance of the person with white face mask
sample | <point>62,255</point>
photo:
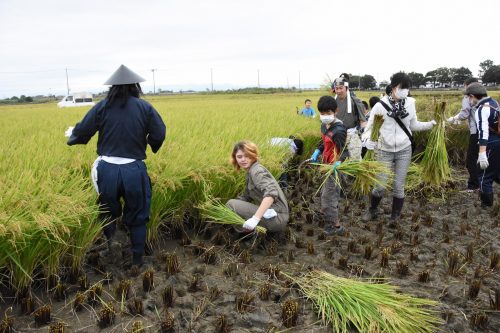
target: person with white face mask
<point>487,116</point>
<point>334,151</point>
<point>395,145</point>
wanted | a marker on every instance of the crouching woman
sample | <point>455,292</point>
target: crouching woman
<point>262,202</point>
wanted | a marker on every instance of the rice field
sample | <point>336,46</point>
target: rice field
<point>48,211</point>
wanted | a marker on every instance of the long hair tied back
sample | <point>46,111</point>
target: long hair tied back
<point>120,93</point>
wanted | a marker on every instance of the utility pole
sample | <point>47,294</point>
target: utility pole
<point>154,83</point>
<point>212,79</point>
<point>299,80</point>
<point>287,84</point>
<point>67,81</point>
<point>359,82</point>
<point>258,78</point>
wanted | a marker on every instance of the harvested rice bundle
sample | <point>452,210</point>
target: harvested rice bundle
<point>370,307</point>
<point>364,171</point>
<point>215,211</point>
<point>374,135</point>
<point>360,187</point>
<point>435,167</point>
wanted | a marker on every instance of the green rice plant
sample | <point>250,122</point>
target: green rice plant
<point>435,167</point>
<point>213,210</point>
<point>366,172</point>
<point>369,307</point>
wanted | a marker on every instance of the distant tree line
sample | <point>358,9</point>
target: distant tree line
<point>15,99</point>
<point>439,77</point>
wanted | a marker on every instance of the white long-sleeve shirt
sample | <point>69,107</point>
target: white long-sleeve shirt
<point>392,137</point>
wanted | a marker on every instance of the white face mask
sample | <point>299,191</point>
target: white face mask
<point>327,119</point>
<point>402,93</point>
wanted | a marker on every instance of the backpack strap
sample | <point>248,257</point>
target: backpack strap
<point>400,123</point>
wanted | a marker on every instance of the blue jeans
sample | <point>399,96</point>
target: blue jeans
<point>400,162</point>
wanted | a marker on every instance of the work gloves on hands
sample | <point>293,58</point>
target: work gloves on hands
<point>483,161</point>
<point>315,155</point>
<point>370,145</point>
<point>251,223</point>
<point>453,120</point>
<point>69,131</point>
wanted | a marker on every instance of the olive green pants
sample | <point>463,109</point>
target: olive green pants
<point>246,210</point>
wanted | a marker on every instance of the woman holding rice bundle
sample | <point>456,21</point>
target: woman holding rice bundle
<point>394,146</point>
<point>262,202</point>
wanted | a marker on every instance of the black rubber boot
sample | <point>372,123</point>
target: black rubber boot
<point>486,199</point>
<point>372,212</point>
<point>397,206</point>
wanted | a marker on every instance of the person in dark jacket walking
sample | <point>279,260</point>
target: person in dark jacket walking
<point>334,151</point>
<point>487,118</point>
<point>126,125</point>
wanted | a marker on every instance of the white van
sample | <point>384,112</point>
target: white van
<point>77,99</point>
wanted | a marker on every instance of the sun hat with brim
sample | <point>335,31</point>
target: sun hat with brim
<point>124,75</point>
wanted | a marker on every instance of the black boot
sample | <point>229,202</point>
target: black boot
<point>372,212</point>
<point>397,206</point>
<point>486,199</point>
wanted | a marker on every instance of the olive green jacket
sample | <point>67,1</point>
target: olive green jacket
<point>260,183</point>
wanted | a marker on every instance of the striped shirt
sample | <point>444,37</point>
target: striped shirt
<point>486,118</point>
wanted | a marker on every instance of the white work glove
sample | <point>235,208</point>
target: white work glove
<point>69,131</point>
<point>433,122</point>
<point>483,161</point>
<point>370,145</point>
<point>251,223</point>
<point>452,120</point>
<point>270,213</point>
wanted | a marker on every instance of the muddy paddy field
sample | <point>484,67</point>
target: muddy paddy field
<point>203,278</point>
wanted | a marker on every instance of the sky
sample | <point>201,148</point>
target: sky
<point>235,44</point>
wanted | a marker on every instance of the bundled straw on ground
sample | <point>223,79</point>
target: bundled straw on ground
<point>435,168</point>
<point>369,307</point>
<point>364,171</point>
<point>215,211</point>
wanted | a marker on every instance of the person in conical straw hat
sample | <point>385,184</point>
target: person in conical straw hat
<point>126,125</point>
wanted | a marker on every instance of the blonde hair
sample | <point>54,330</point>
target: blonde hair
<point>248,148</point>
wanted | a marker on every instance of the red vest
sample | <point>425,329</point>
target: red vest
<point>331,152</point>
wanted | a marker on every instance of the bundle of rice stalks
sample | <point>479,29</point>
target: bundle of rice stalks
<point>435,167</point>
<point>378,120</point>
<point>359,187</point>
<point>366,172</point>
<point>369,307</point>
<point>215,211</point>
